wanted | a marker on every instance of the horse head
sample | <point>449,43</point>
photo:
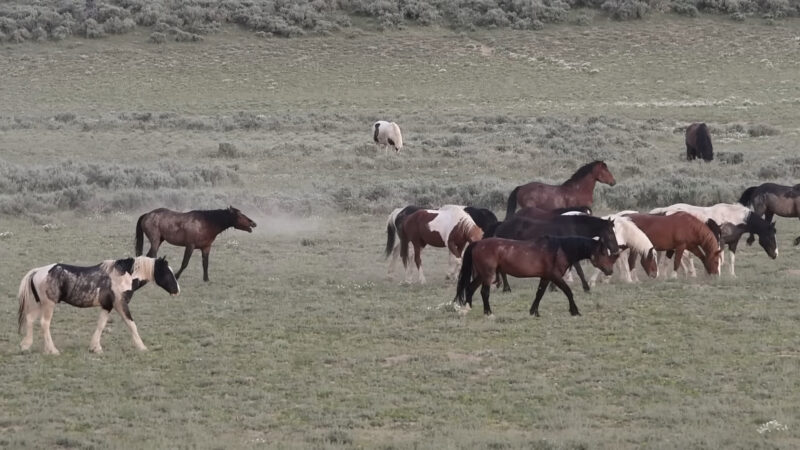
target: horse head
<point>240,221</point>
<point>712,261</point>
<point>608,236</point>
<point>650,263</point>
<point>766,238</point>
<point>603,174</point>
<point>602,257</point>
<point>163,276</point>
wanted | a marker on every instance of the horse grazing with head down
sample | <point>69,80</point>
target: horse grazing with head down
<point>547,258</point>
<point>449,226</point>
<point>521,228</point>
<point>387,133</point>
<point>109,285</point>
<point>578,190</point>
<point>680,232</point>
<point>698,142</point>
<point>193,230</point>
<point>633,240</point>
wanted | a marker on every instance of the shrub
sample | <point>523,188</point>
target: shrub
<point>157,38</point>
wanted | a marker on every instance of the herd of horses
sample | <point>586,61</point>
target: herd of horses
<point>111,283</point>
<point>547,230</point>
<point>554,230</point>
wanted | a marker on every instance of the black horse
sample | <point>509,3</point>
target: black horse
<point>698,142</point>
<point>482,217</point>
<point>521,228</point>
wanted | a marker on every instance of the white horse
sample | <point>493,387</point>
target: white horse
<point>109,285</point>
<point>721,213</point>
<point>634,241</point>
<point>387,133</point>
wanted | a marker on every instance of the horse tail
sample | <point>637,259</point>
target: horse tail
<point>375,134</point>
<point>704,142</point>
<point>390,234</point>
<point>139,245</point>
<point>404,251</point>
<point>747,196</point>
<point>27,294</point>
<point>465,276</point>
<point>512,203</point>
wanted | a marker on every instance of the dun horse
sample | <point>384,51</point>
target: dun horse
<point>680,232</point>
<point>193,230</point>
<point>770,199</point>
<point>698,142</point>
<point>577,191</point>
<point>450,226</point>
<point>547,258</point>
<point>109,285</point>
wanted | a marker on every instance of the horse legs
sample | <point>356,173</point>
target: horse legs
<point>506,286</point>
<point>187,254</point>
<point>485,290</point>
<point>732,247</point>
<point>573,308</point>
<point>154,245</point>
<point>121,305</point>
<point>677,261</point>
<point>205,252</point>
<point>47,315</point>
<point>471,291</point>
<point>32,312</point>
<point>579,271</point>
<point>691,270</point>
<point>418,262</point>
<point>94,345</point>
<point>543,282</point>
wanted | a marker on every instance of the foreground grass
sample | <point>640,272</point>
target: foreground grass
<point>300,340</point>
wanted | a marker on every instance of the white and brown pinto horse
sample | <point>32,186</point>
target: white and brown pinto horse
<point>109,285</point>
<point>387,133</point>
<point>449,226</point>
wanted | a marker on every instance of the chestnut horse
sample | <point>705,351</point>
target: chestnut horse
<point>577,191</point>
<point>193,229</point>
<point>547,258</point>
<point>449,226</point>
<point>680,232</point>
<point>698,142</point>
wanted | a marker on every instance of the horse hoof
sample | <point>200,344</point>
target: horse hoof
<point>490,316</point>
<point>575,313</point>
<point>52,352</point>
<point>97,350</point>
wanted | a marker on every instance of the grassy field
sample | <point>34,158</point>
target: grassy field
<point>300,340</point>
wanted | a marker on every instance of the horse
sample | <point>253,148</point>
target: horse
<point>734,219</point>
<point>578,190</point>
<point>533,212</point>
<point>521,228</point>
<point>698,142</point>
<point>633,240</point>
<point>680,232</point>
<point>394,227</point>
<point>386,134</point>
<point>547,258</point>
<point>109,285</point>
<point>449,226</point>
<point>770,199</point>
<point>193,229</point>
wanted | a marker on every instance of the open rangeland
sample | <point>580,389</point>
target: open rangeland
<point>299,340</point>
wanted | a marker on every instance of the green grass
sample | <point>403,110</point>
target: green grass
<point>300,340</point>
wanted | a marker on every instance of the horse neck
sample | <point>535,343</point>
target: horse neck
<point>583,186</point>
<point>708,242</point>
<point>755,224</point>
<point>219,219</point>
<point>460,233</point>
<point>636,239</point>
<point>143,268</point>
<point>576,249</point>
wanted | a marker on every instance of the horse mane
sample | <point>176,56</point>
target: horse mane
<point>144,268</point>
<point>398,142</point>
<point>709,240</point>
<point>575,248</point>
<point>221,217</point>
<point>583,171</point>
<point>634,237</point>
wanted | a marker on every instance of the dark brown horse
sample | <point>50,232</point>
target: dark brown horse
<point>698,142</point>
<point>450,226</point>
<point>770,199</point>
<point>577,191</point>
<point>680,232</point>
<point>193,230</point>
<point>547,258</point>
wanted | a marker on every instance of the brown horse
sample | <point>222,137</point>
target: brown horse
<point>547,258</point>
<point>698,142</point>
<point>193,229</point>
<point>680,232</point>
<point>450,226</point>
<point>577,191</point>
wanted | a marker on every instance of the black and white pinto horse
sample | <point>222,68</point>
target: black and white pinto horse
<point>109,285</point>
